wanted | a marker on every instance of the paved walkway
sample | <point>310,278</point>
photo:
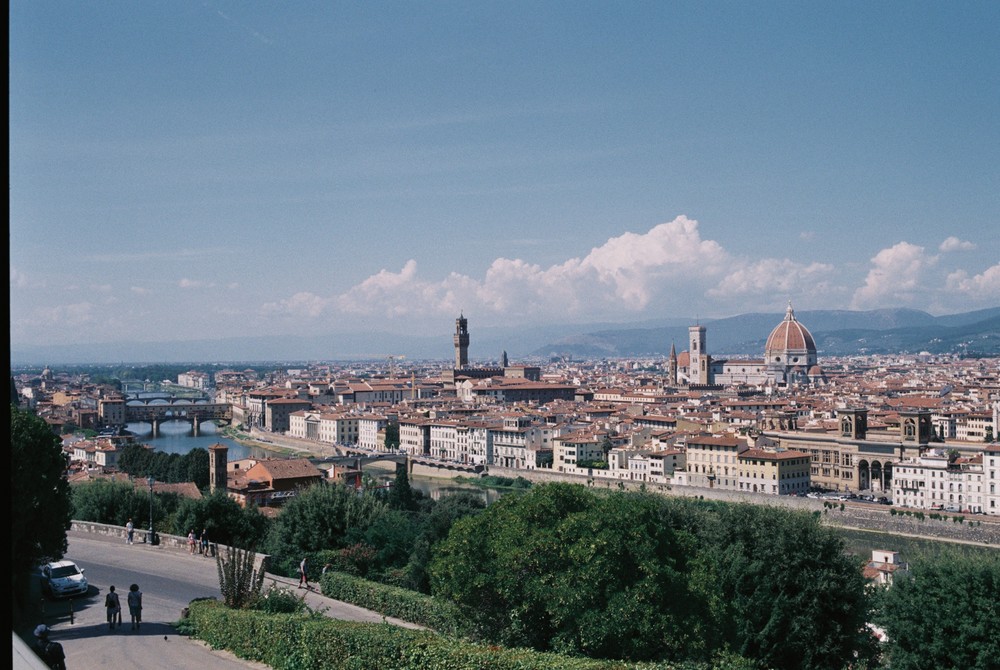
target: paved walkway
<point>158,646</point>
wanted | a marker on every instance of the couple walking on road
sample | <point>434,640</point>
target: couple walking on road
<point>114,607</point>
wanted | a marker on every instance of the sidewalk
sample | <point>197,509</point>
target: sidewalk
<point>158,646</point>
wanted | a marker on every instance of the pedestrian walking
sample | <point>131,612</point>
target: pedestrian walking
<point>129,532</point>
<point>114,607</point>
<point>134,599</point>
<point>191,541</point>
<point>303,575</point>
<point>50,652</point>
<point>204,541</point>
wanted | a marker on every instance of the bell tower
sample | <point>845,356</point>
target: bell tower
<point>461,342</point>
<point>853,423</point>
<point>218,465</point>
<point>699,357</point>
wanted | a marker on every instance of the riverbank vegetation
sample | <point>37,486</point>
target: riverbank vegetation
<point>494,482</point>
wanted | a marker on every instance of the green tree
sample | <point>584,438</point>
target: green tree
<point>41,509</point>
<point>392,437</point>
<point>434,528</point>
<point>782,590</point>
<point>944,615</point>
<point>225,520</point>
<point>111,502</point>
<point>321,517</point>
<point>989,434</point>
<point>401,494</point>
<point>562,568</point>
<point>606,446</point>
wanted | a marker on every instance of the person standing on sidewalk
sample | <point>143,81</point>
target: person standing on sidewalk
<point>134,599</point>
<point>129,532</point>
<point>204,541</point>
<point>192,542</point>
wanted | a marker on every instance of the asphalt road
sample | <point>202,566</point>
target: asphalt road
<point>169,580</point>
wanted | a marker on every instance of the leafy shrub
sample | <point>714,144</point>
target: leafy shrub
<point>355,559</point>
<point>404,604</point>
<point>300,642</point>
<point>279,600</point>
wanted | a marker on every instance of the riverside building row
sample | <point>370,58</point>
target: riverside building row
<point>916,429</point>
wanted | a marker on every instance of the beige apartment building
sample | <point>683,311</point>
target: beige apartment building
<point>713,461</point>
<point>774,472</point>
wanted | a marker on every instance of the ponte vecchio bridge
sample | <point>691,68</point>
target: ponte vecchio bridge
<point>156,411</point>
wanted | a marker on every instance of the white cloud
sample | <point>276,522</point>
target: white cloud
<point>303,303</point>
<point>140,290</point>
<point>775,277</point>
<point>190,283</point>
<point>955,244</point>
<point>671,264</point>
<point>895,279</point>
<point>983,287</point>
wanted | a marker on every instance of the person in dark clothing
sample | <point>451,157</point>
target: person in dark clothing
<point>50,652</point>
<point>135,606</point>
<point>204,541</point>
<point>114,607</point>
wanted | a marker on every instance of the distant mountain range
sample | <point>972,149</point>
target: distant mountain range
<point>837,333</point>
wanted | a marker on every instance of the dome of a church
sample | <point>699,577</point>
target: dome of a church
<point>790,342</point>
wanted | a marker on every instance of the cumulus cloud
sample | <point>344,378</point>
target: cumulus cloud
<point>983,287</point>
<point>955,244</point>
<point>895,278</point>
<point>190,283</point>
<point>627,273</point>
<point>670,268</point>
<point>139,290</point>
<point>772,276</point>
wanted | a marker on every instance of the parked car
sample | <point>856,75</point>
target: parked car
<point>63,579</point>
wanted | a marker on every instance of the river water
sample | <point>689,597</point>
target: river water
<point>176,438</point>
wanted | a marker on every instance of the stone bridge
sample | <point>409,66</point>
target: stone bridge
<point>157,411</point>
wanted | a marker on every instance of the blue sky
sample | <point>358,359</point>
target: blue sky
<point>192,170</point>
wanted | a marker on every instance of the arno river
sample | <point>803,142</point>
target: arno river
<point>176,438</point>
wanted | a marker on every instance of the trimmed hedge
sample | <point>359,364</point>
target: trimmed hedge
<point>423,610</point>
<point>315,642</point>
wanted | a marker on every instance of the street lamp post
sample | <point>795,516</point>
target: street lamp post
<point>150,481</point>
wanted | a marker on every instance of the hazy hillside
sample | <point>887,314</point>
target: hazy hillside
<point>836,333</point>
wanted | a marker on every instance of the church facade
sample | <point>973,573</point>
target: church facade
<point>789,360</point>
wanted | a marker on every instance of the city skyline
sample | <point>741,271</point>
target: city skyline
<point>201,170</point>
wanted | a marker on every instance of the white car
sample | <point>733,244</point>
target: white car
<point>63,579</point>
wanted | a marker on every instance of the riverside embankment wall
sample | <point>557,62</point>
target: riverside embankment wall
<point>974,528</point>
